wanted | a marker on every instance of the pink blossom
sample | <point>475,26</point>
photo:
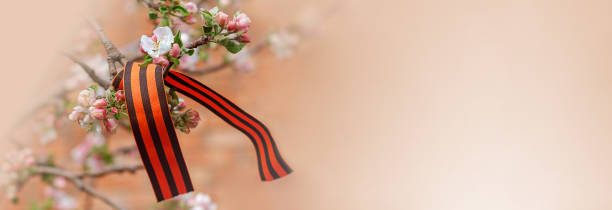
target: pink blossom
<point>191,7</point>
<point>221,18</point>
<point>110,125</point>
<point>120,96</point>
<point>100,103</point>
<point>161,60</point>
<point>231,25</point>
<point>74,116</point>
<point>193,119</point>
<point>86,97</point>
<point>175,51</point>
<point>243,22</point>
<point>245,38</point>
<point>190,19</point>
<point>98,113</point>
<point>115,110</point>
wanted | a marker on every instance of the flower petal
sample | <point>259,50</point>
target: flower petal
<point>148,45</point>
<point>164,34</point>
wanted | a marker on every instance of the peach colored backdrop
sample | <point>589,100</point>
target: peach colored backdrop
<point>418,104</point>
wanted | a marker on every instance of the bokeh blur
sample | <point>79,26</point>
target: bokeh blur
<point>418,104</point>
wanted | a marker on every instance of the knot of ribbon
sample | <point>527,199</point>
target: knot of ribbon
<point>155,135</point>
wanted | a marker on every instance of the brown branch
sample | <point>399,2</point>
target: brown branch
<point>79,184</point>
<point>89,70</point>
<point>113,56</point>
<point>111,170</point>
<point>251,51</point>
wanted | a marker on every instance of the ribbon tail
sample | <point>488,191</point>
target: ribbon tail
<point>271,164</point>
<point>153,129</point>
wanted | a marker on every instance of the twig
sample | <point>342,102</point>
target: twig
<point>90,71</point>
<point>255,49</point>
<point>113,55</point>
<point>110,170</point>
<point>79,184</point>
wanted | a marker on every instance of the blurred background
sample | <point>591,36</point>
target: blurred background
<point>390,105</point>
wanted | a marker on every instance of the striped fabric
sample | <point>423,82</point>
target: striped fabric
<point>156,137</point>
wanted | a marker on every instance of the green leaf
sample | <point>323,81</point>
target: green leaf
<point>175,61</point>
<point>152,15</point>
<point>177,39</point>
<point>232,46</point>
<point>181,10</point>
<point>147,60</point>
<point>189,51</point>
<point>208,18</point>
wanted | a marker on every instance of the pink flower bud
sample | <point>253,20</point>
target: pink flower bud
<point>120,95</point>
<point>245,38</point>
<point>110,125</point>
<point>191,7</point>
<point>86,97</point>
<point>231,25</point>
<point>243,22</point>
<point>175,51</point>
<point>98,113</point>
<point>115,110</point>
<point>221,18</point>
<point>74,116</point>
<point>192,119</point>
<point>161,60</point>
<point>100,103</point>
<point>190,19</point>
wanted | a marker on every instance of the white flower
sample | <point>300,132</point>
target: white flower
<point>159,44</point>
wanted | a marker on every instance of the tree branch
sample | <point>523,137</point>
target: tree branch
<point>111,170</point>
<point>255,49</point>
<point>79,184</point>
<point>89,70</point>
<point>112,53</point>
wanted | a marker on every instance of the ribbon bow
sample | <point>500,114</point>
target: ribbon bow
<point>154,132</point>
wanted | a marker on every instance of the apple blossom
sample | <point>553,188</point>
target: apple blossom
<point>175,51</point>
<point>100,103</point>
<point>190,19</point>
<point>191,7</point>
<point>231,25</point>
<point>74,116</point>
<point>120,95</point>
<point>161,60</point>
<point>243,22</point>
<point>221,18</point>
<point>86,97</point>
<point>97,113</point>
<point>245,38</point>
<point>110,125</point>
<point>159,44</point>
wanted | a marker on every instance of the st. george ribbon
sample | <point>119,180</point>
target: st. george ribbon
<point>155,135</point>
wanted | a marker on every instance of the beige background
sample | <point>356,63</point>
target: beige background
<point>396,105</point>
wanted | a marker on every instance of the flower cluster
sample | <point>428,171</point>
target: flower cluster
<point>165,48</point>
<point>169,9</point>
<point>98,108</point>
<point>183,120</point>
<point>225,30</point>
<point>15,168</point>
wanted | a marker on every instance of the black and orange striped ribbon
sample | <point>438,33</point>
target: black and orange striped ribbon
<point>155,135</point>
